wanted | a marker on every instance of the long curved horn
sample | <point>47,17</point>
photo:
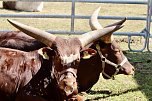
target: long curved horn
<point>93,22</point>
<point>92,36</point>
<point>95,25</point>
<point>38,34</point>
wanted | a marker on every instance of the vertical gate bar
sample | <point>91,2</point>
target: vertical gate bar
<point>129,45</point>
<point>72,15</point>
<point>149,11</point>
<point>148,20</point>
<point>148,16</point>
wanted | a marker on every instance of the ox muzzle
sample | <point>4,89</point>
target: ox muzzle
<point>67,81</point>
<point>117,67</point>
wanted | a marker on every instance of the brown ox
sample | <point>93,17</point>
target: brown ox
<point>62,59</point>
<point>109,61</point>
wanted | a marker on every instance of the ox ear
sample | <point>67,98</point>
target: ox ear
<point>46,52</point>
<point>88,53</point>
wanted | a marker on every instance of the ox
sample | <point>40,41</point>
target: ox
<point>23,6</point>
<point>109,61</point>
<point>62,57</point>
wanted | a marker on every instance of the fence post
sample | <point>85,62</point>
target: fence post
<point>72,16</point>
<point>148,23</point>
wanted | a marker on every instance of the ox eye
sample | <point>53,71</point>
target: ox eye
<point>78,60</point>
<point>106,55</point>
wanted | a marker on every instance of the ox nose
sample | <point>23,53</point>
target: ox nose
<point>132,71</point>
<point>68,90</point>
<point>69,87</point>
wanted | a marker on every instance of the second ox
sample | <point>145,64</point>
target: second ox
<point>62,56</point>
<point>109,60</point>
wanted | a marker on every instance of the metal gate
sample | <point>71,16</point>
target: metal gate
<point>146,33</point>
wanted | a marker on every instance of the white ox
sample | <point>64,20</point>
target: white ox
<point>23,6</point>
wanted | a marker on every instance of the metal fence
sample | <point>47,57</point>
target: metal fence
<point>146,33</point>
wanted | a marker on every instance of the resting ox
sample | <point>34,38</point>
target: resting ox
<point>62,57</point>
<point>23,6</point>
<point>109,60</point>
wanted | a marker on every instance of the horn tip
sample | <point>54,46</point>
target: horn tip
<point>10,21</point>
<point>99,7</point>
<point>125,19</point>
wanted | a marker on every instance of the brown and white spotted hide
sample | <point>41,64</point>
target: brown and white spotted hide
<point>16,69</point>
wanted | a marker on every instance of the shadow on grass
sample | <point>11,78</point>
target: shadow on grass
<point>142,61</point>
<point>110,95</point>
<point>143,64</point>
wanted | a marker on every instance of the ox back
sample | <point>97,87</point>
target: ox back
<point>19,40</point>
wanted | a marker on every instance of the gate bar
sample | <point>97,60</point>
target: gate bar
<point>95,1</point>
<point>72,15</point>
<point>149,13</point>
<point>68,16</point>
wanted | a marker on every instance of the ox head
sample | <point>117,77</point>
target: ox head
<point>113,60</point>
<point>65,52</point>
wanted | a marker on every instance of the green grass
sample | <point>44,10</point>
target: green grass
<point>124,88</point>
